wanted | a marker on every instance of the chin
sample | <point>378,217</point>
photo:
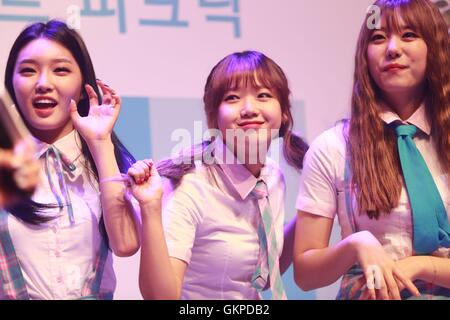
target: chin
<point>397,87</point>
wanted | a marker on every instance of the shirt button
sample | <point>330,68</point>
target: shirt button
<point>59,279</point>
<point>57,253</point>
<point>54,228</point>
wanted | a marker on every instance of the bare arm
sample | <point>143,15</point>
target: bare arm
<point>119,215</point>
<point>96,129</point>
<point>430,269</point>
<point>160,276</point>
<point>317,265</point>
<point>288,247</point>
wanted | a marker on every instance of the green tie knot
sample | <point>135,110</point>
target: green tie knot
<point>406,130</point>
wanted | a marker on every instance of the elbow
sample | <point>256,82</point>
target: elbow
<point>125,250</point>
<point>302,284</point>
<point>302,278</point>
<point>161,296</point>
<point>151,294</point>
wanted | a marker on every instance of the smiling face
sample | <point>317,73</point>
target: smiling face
<point>249,108</point>
<point>46,77</point>
<point>397,59</point>
<point>247,100</point>
<point>248,119</point>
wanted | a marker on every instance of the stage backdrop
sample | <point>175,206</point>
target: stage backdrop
<point>158,53</point>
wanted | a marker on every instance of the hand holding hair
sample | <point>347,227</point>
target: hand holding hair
<point>147,186</point>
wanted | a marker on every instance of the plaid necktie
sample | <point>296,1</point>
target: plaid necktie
<point>268,268</point>
<point>430,222</point>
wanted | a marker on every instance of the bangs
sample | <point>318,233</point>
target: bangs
<point>244,71</point>
<point>401,14</point>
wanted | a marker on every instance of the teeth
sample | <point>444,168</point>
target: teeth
<point>44,101</point>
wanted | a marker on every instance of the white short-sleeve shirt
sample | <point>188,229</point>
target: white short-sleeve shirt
<point>322,187</point>
<point>210,222</point>
<point>56,257</point>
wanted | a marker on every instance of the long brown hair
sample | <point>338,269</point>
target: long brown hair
<point>235,70</point>
<point>371,144</point>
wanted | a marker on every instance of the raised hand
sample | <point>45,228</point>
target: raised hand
<point>99,123</point>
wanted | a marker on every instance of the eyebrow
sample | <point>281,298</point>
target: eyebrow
<point>53,61</point>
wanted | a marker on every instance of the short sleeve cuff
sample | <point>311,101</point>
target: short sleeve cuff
<point>178,252</point>
<point>314,207</point>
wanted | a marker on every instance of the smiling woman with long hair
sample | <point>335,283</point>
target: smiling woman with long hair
<point>385,172</point>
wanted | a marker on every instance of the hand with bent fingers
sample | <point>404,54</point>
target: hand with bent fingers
<point>381,274</point>
<point>99,123</point>
<point>147,188</point>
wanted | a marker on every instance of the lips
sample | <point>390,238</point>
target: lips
<point>250,124</point>
<point>394,67</point>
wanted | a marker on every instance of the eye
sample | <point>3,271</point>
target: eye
<point>26,71</point>
<point>231,97</point>
<point>377,37</point>
<point>265,95</point>
<point>410,35</point>
<point>62,70</point>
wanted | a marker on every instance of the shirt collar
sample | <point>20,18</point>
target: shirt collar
<point>418,118</point>
<point>69,145</point>
<point>238,176</point>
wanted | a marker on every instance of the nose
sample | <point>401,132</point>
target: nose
<point>43,83</point>
<point>249,108</point>
<point>394,49</point>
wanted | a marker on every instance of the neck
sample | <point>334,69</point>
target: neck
<point>252,157</point>
<point>404,104</point>
<point>255,169</point>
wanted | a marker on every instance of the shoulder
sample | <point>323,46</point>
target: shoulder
<point>191,185</point>
<point>330,144</point>
<point>187,201</point>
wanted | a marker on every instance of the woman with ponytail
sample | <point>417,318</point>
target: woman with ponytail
<point>384,172</point>
<point>216,242</point>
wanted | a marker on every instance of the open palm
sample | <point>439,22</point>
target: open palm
<point>99,123</point>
